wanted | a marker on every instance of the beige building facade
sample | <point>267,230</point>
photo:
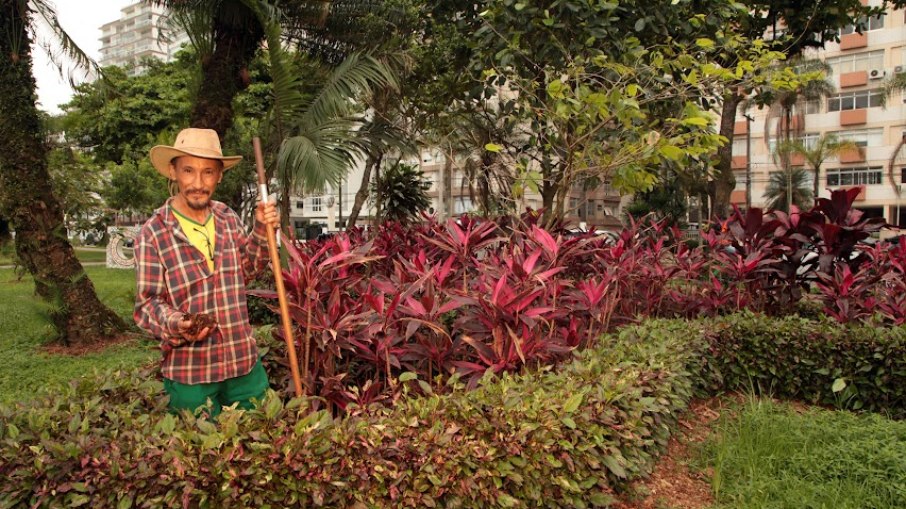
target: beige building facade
<point>861,65</point>
<point>141,32</point>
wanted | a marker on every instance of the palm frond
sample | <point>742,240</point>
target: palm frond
<point>358,74</point>
<point>60,46</point>
<point>322,155</point>
<point>198,24</point>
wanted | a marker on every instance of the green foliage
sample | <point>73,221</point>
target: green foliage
<point>667,200</point>
<point>774,455</point>
<point>791,186</point>
<point>613,111</point>
<point>799,358</point>
<point>25,370</point>
<point>564,438</point>
<point>402,192</point>
<point>77,182</point>
<point>135,186</point>
<point>121,116</point>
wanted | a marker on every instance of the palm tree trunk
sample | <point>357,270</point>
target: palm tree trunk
<point>724,180</point>
<point>362,194</point>
<point>225,72</point>
<point>4,231</point>
<point>447,187</point>
<point>27,200</point>
<point>815,185</point>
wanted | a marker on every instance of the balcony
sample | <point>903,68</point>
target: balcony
<point>854,117</point>
<point>854,155</point>
<point>853,41</point>
<point>740,127</point>
<point>739,162</point>
<point>853,79</point>
<point>738,197</point>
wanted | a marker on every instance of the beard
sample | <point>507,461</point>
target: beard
<point>202,202</point>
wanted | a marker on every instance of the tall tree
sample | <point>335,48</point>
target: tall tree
<point>790,27</point>
<point>26,197</point>
<point>226,34</point>
<point>591,80</point>
<point>786,93</point>
<point>824,148</point>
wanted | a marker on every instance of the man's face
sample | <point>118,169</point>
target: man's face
<point>197,178</point>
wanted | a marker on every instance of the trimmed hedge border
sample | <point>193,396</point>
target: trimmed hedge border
<point>565,438</point>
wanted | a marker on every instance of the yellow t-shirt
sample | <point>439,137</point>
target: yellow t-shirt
<point>202,236</point>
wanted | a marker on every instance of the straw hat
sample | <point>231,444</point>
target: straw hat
<point>191,142</point>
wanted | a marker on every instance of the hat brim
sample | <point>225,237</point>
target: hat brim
<point>161,155</point>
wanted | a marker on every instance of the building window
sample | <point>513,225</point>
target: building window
<point>862,137</point>
<point>808,141</point>
<point>300,205</point>
<point>462,205</point>
<point>872,23</point>
<point>739,146</point>
<point>856,176</point>
<point>813,107</point>
<point>855,100</point>
<point>316,204</point>
<point>864,61</point>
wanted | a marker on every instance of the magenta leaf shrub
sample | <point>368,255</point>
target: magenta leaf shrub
<point>473,296</point>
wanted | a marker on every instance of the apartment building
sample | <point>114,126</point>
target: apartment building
<point>597,208</point>
<point>141,32</point>
<point>860,65</point>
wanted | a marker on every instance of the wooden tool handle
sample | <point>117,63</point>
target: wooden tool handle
<point>278,275</point>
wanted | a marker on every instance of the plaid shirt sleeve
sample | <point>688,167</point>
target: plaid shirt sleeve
<point>256,252</point>
<point>153,311</point>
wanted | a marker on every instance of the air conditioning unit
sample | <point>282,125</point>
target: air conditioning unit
<point>876,74</point>
<point>899,69</point>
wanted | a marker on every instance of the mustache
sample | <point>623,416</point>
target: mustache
<point>197,191</point>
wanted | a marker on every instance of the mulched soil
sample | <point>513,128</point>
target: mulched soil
<point>672,484</point>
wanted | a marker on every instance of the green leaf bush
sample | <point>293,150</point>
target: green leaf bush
<point>570,437</point>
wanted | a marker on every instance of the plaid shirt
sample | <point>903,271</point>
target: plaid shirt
<point>173,278</point>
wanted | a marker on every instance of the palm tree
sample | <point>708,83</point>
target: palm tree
<point>788,187</point>
<point>315,134</point>
<point>795,84</point>
<point>26,197</point>
<point>226,34</point>
<point>825,147</point>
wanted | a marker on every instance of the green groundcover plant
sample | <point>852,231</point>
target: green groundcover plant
<point>571,437</point>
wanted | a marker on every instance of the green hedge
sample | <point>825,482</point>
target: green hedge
<point>799,358</point>
<point>564,438</point>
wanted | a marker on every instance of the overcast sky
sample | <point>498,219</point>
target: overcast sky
<point>82,20</point>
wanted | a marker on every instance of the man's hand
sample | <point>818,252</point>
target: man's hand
<point>195,327</point>
<point>267,213</point>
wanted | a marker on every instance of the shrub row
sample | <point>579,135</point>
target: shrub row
<point>565,438</point>
<point>818,361</point>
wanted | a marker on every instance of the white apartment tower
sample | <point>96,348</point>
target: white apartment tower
<point>860,66</point>
<point>142,31</point>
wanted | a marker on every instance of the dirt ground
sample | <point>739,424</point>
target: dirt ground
<point>672,484</point>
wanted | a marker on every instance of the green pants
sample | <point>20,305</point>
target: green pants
<point>210,397</point>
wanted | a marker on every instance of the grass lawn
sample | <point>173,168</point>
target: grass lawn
<point>773,455</point>
<point>85,255</point>
<point>25,368</point>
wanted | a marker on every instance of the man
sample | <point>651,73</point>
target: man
<point>193,259</point>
